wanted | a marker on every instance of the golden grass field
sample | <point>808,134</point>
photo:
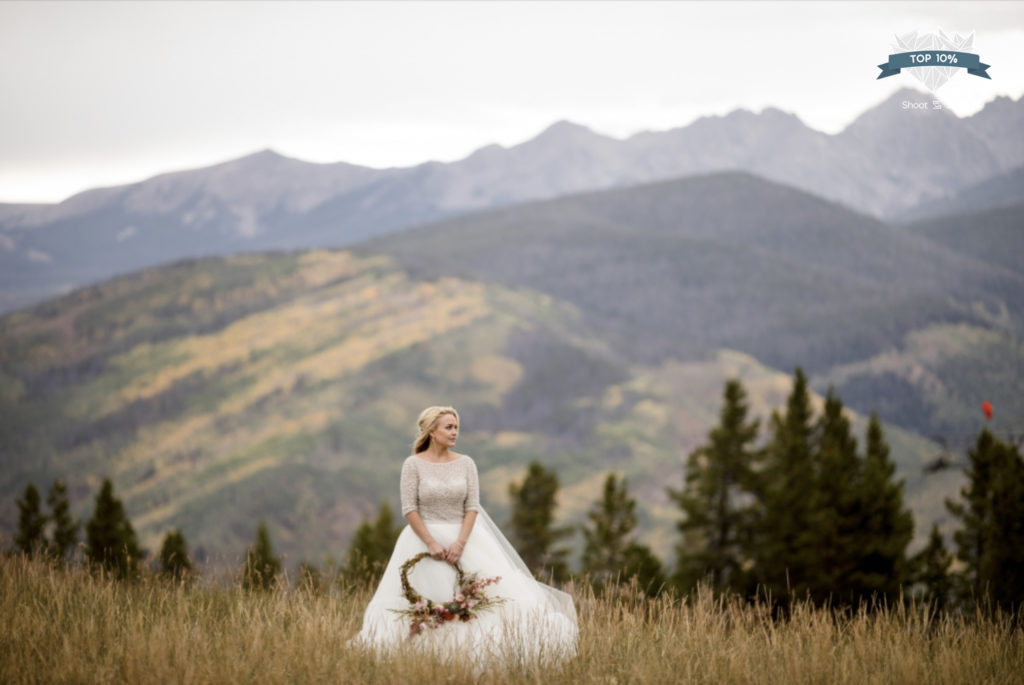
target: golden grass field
<point>70,627</point>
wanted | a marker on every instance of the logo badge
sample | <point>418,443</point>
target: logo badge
<point>933,59</point>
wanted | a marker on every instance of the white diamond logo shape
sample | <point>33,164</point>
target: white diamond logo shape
<point>933,78</point>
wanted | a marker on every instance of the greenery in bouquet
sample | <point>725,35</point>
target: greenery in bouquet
<point>467,601</point>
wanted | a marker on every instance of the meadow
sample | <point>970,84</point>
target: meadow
<point>70,626</point>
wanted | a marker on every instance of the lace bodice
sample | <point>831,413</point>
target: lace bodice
<point>442,491</point>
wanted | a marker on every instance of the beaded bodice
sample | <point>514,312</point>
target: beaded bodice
<point>440,491</point>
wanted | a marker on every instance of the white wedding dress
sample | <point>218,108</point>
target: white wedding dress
<point>535,622</point>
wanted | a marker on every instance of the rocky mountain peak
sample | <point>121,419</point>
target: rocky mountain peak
<point>896,108</point>
<point>567,133</point>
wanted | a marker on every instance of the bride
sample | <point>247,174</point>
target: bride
<point>520,619</point>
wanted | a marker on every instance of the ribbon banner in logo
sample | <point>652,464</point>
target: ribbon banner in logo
<point>934,58</point>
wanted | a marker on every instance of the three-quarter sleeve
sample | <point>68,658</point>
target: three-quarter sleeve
<point>472,487</point>
<point>410,485</point>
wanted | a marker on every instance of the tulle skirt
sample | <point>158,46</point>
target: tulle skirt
<point>535,622</point>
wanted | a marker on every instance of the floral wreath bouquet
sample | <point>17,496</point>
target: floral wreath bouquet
<point>468,600</point>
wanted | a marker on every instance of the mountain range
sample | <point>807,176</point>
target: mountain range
<point>889,163</point>
<point>592,332</point>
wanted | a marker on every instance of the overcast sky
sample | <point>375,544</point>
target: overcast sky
<point>108,93</point>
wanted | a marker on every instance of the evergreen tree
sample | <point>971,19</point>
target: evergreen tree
<point>885,526</point>
<point>174,560</point>
<point>991,539</point>
<point>110,538</point>
<point>785,546</point>
<point>834,506</point>
<point>931,570</point>
<point>974,514</point>
<point>642,565</point>
<point>612,519</point>
<point>371,548</point>
<point>30,538</point>
<point>833,525</point>
<point>532,532</point>
<point>1004,569</point>
<point>716,500</point>
<point>262,566</point>
<point>65,527</point>
<point>610,552</point>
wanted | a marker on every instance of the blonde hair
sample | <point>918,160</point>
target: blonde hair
<point>429,418</point>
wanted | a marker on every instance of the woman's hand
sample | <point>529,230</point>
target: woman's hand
<point>436,550</point>
<point>454,552</point>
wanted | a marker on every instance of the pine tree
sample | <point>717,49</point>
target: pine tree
<point>785,545</point>
<point>645,568</point>
<point>931,570</point>
<point>610,552</point>
<point>30,538</point>
<point>612,519</point>
<point>110,538</point>
<point>833,526</point>
<point>174,559</point>
<point>385,533</point>
<point>974,513</point>
<point>371,548</point>
<point>65,527</point>
<point>885,526</point>
<point>716,500</point>
<point>532,532</point>
<point>262,566</point>
<point>991,539</point>
<point>835,505</point>
<point>1004,569</point>
<point>111,542</point>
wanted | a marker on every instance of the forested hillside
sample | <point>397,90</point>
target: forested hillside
<point>590,333</point>
<point>283,387</point>
<point>921,324</point>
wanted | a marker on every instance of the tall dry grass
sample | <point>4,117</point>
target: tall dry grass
<point>70,627</point>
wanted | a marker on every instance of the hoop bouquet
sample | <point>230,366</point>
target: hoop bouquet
<point>467,601</point>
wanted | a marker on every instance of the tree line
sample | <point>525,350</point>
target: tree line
<point>799,513</point>
<point>110,542</point>
<point>111,545</point>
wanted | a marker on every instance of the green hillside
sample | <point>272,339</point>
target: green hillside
<point>1000,191</point>
<point>674,269</point>
<point>284,387</point>
<point>591,332</point>
<point>727,260</point>
<point>935,378</point>
<point>995,235</point>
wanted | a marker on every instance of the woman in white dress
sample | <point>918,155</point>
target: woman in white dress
<point>441,501</point>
